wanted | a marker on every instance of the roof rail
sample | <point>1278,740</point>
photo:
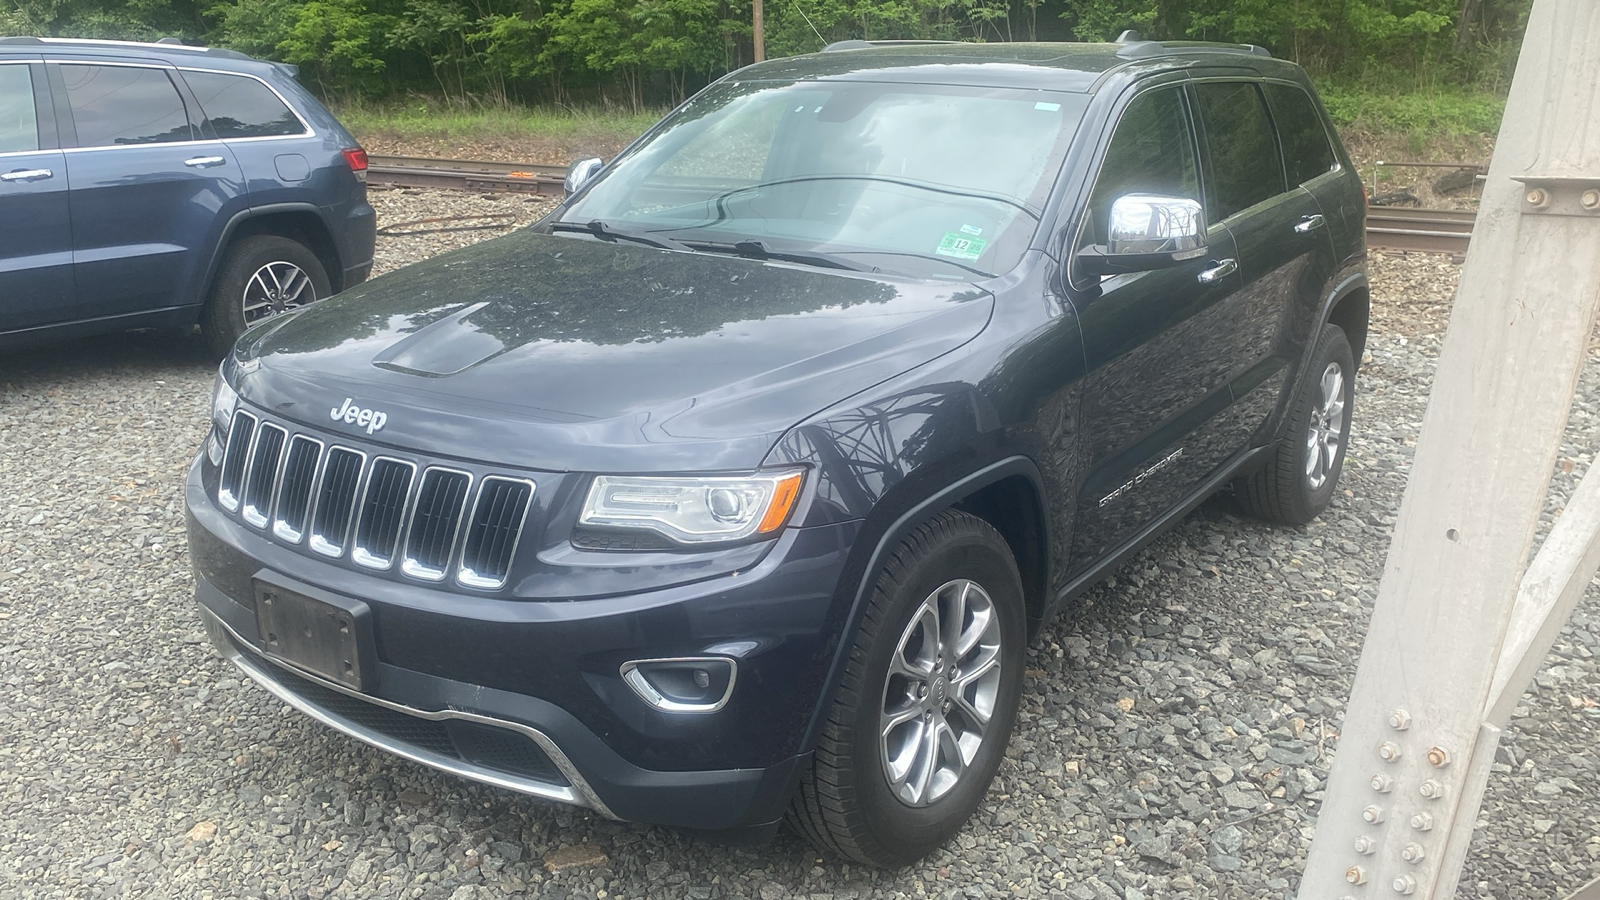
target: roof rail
<point>1138,49</point>
<point>858,44</point>
<point>165,45</point>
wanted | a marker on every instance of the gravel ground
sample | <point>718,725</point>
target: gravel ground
<point>1173,742</point>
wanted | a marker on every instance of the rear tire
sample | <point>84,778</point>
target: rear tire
<point>260,276</point>
<point>1301,473</point>
<point>919,725</point>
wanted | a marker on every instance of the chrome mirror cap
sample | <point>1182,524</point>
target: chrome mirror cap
<point>1151,223</point>
<point>1146,232</point>
<point>580,173</point>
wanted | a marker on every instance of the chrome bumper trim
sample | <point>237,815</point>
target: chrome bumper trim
<point>578,794</point>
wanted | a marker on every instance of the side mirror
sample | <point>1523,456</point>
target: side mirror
<point>1147,231</point>
<point>580,173</point>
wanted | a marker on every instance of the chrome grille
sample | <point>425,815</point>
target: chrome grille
<point>493,530</point>
<point>336,501</point>
<point>383,510</point>
<point>230,482</point>
<point>436,523</point>
<point>294,489</point>
<point>341,504</point>
<point>262,473</point>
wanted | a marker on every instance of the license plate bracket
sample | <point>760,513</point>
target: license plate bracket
<point>321,633</point>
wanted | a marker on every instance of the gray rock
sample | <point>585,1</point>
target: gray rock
<point>1239,798</point>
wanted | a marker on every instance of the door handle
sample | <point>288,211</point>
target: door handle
<point>27,175</point>
<point>1309,224</point>
<point>1219,271</point>
<point>204,162</point>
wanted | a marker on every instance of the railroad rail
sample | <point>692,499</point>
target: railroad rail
<point>1388,227</point>
<point>466,175</point>
<point>1428,230</point>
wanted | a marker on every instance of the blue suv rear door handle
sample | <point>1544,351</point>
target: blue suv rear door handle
<point>27,175</point>
<point>1221,270</point>
<point>204,162</point>
<point>1309,224</point>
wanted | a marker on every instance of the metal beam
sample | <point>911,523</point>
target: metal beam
<point>1448,638</point>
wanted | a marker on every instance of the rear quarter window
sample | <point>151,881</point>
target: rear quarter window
<point>1306,148</point>
<point>239,107</point>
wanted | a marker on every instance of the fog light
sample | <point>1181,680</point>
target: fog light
<point>691,684</point>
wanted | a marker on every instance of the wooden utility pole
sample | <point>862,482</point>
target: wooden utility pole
<point>758,27</point>
<point>1459,628</point>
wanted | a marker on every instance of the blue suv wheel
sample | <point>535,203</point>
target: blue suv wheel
<point>261,276</point>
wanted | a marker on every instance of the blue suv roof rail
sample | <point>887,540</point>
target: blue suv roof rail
<point>165,45</point>
<point>858,44</point>
<point>1134,48</point>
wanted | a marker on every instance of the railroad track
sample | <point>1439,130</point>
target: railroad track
<point>1388,227</point>
<point>465,175</point>
<point>1428,230</point>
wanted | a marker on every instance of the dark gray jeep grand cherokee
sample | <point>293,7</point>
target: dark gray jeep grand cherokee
<point>734,489</point>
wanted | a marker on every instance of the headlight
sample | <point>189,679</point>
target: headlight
<point>223,401</point>
<point>694,510</point>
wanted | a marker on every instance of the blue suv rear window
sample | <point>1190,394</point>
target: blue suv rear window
<point>241,107</point>
<point>113,105</point>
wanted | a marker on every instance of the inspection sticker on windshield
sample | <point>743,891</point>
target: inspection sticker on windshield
<point>960,246</point>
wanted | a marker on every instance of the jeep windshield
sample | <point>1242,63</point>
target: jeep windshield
<point>936,181</point>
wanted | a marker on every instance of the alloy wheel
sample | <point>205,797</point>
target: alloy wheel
<point>939,697</point>
<point>1327,428</point>
<point>274,288</point>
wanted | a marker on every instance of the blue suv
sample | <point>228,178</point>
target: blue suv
<point>159,185</point>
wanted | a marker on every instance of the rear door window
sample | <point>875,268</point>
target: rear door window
<point>19,121</point>
<point>1306,148</point>
<point>124,105</point>
<point>1245,166</point>
<point>241,107</point>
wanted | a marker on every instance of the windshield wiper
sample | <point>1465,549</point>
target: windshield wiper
<point>902,182</point>
<point>938,259</point>
<point>751,249</point>
<point>606,233</point>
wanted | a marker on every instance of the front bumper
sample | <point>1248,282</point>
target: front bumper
<point>527,695</point>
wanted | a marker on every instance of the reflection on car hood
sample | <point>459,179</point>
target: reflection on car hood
<point>568,353</point>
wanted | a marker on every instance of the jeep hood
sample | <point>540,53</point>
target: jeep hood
<point>571,354</point>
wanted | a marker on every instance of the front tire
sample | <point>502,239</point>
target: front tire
<point>261,276</point>
<point>921,720</point>
<point>1298,480</point>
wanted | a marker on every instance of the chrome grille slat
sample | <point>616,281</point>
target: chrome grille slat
<point>230,481</point>
<point>436,524</point>
<point>493,530</point>
<point>292,509</point>
<point>383,508</point>
<point>261,473</point>
<point>338,502</point>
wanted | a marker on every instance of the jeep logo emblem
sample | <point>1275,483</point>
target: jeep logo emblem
<point>351,414</point>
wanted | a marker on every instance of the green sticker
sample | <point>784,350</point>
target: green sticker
<point>960,246</point>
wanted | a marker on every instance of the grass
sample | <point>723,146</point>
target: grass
<point>1417,120</point>
<point>1420,119</point>
<point>556,133</point>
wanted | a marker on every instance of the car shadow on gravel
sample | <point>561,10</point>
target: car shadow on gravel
<point>157,351</point>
